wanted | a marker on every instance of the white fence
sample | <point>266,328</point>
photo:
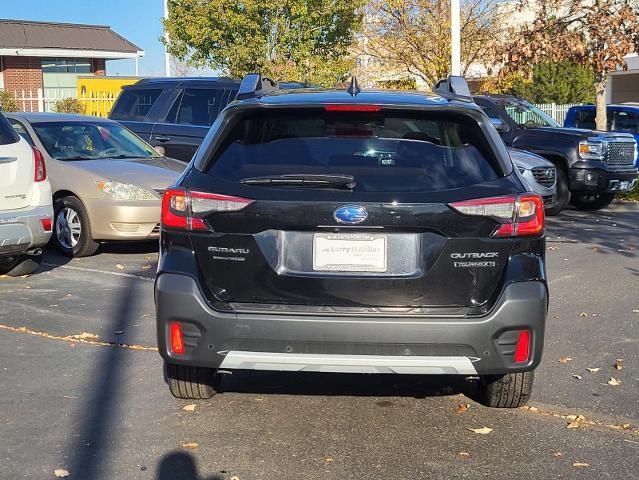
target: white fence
<point>99,104</point>
<point>38,101</point>
<point>556,111</point>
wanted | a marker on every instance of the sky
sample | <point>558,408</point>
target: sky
<point>136,20</point>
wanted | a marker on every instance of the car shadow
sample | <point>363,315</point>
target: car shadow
<point>614,230</point>
<point>344,384</point>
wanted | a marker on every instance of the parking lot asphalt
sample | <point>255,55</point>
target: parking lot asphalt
<point>96,406</point>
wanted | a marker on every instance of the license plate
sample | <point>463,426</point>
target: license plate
<point>349,252</point>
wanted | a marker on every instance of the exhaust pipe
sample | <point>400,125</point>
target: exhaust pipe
<point>35,252</point>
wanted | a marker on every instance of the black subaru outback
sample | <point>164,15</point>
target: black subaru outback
<point>352,231</point>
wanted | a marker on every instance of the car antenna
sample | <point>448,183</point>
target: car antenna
<point>353,88</point>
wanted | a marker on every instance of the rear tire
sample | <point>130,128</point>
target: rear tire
<point>506,391</point>
<point>193,383</point>
<point>72,229</point>
<point>562,195</point>
<point>20,265</point>
<point>592,201</point>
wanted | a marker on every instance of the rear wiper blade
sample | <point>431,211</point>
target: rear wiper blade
<point>307,180</point>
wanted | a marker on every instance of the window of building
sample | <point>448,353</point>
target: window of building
<point>60,78</point>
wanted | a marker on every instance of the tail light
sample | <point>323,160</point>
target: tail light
<point>521,215</point>
<point>352,108</point>
<point>184,209</point>
<point>40,168</point>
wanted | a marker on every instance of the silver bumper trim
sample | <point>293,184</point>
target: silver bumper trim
<point>306,362</point>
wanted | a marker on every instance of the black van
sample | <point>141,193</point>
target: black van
<point>174,113</point>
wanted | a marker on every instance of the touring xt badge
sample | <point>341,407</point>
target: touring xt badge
<point>474,259</point>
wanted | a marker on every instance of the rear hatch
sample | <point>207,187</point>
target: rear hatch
<point>328,211</point>
<point>16,169</point>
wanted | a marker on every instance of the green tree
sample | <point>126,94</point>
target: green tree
<point>558,82</point>
<point>296,40</point>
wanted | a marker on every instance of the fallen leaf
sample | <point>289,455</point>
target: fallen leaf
<point>189,408</point>
<point>67,295</point>
<point>464,454</point>
<point>119,266</point>
<point>580,465</point>
<point>83,336</point>
<point>558,454</point>
<point>553,247</point>
<point>189,445</point>
<point>583,314</point>
<point>577,421</point>
<point>565,359</point>
<point>578,377</point>
<point>593,370</point>
<point>595,314</point>
<point>614,382</point>
<point>61,472</point>
<point>595,249</point>
<point>462,408</point>
<point>619,363</point>
<point>27,286</point>
<point>625,426</point>
<point>481,431</point>
<point>235,477</point>
<point>147,267</point>
<point>329,459</point>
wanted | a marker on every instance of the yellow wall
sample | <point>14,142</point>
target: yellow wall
<point>98,94</point>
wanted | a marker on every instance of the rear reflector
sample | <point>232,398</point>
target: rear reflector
<point>46,224</point>
<point>40,169</point>
<point>352,108</point>
<point>177,339</point>
<point>521,215</point>
<point>184,210</point>
<point>523,347</point>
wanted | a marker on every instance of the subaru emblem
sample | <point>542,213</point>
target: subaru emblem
<point>350,214</point>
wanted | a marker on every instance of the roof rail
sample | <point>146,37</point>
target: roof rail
<point>454,87</point>
<point>254,85</point>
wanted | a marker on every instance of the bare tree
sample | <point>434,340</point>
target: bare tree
<point>414,35</point>
<point>594,33</point>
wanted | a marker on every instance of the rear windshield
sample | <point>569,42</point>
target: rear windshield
<point>384,151</point>
<point>7,133</point>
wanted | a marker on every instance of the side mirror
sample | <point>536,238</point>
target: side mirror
<point>499,125</point>
<point>160,150</point>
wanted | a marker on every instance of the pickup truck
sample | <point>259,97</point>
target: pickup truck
<point>591,166</point>
<point>621,119</point>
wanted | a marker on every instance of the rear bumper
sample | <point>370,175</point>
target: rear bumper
<point>602,181</point>
<point>119,220</point>
<point>21,230</point>
<point>467,346</point>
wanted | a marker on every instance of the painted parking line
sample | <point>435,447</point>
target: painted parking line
<point>95,270</point>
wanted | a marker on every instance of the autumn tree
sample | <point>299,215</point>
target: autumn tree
<point>597,34</point>
<point>295,40</point>
<point>414,36</point>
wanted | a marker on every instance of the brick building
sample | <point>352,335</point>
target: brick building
<point>45,59</point>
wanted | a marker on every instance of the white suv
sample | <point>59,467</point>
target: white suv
<point>26,210</point>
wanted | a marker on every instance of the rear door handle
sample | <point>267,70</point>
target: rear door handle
<point>8,159</point>
<point>162,138</point>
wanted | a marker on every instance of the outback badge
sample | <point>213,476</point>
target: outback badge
<point>350,214</point>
